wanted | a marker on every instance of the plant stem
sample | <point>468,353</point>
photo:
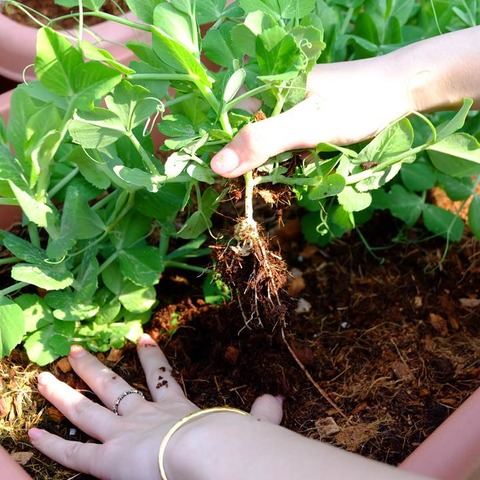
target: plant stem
<point>186,266</point>
<point>33,234</point>
<point>9,202</point>
<point>249,185</point>
<point>9,260</point>
<point>12,288</point>
<point>107,17</point>
<point>145,156</point>
<point>63,182</point>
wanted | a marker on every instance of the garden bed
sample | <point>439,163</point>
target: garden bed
<point>394,344</point>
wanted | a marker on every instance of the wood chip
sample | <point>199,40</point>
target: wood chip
<point>5,406</point>
<point>326,427</point>
<point>402,371</point>
<point>438,323</point>
<point>64,365</point>
<point>114,355</point>
<point>296,285</point>
<point>356,435</point>
<point>470,302</point>
<point>22,458</point>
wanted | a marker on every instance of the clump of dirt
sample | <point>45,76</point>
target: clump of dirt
<point>44,10</point>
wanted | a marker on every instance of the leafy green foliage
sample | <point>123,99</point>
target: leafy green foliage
<point>78,154</point>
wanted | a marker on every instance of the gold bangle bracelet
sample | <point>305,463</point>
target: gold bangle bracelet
<point>188,418</point>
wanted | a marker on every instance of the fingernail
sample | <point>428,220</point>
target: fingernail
<point>145,339</point>
<point>43,378</point>
<point>35,433</point>
<point>225,161</point>
<point>77,351</point>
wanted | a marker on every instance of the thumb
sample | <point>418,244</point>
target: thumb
<point>259,141</point>
<point>268,408</point>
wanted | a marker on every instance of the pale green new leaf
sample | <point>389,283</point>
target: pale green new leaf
<point>12,326</point>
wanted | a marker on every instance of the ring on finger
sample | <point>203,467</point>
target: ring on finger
<point>123,395</point>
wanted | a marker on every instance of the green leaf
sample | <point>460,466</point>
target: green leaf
<point>46,276</point>
<point>215,291</point>
<point>180,26</point>
<point>43,346</point>
<point>143,9</point>
<point>279,9</point>
<point>12,326</point>
<point>457,122</point>
<point>418,176</point>
<point>474,216</point>
<point>179,57</point>
<point>90,4</point>
<point>131,103</point>
<point>10,170</point>
<point>96,129</point>
<point>217,46</point>
<point>177,125</point>
<point>141,265</point>
<point>405,205</point>
<point>56,62</point>
<point>234,84</point>
<point>443,223</point>
<point>36,312</point>
<point>137,299</point>
<point>79,222</point>
<point>354,201</point>
<point>196,224</point>
<point>278,53</point>
<point>327,186</point>
<point>457,155</point>
<point>67,308</point>
<point>37,212</point>
<point>456,188</point>
<point>208,11</point>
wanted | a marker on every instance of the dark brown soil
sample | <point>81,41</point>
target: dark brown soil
<point>51,11</point>
<point>388,350</point>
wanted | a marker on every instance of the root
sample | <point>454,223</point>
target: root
<point>256,274</point>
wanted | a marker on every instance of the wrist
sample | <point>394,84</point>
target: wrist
<point>191,447</point>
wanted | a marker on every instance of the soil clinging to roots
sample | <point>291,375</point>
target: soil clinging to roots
<point>256,275</point>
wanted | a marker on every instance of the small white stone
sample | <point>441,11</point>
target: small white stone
<point>303,306</point>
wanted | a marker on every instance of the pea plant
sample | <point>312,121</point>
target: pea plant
<point>104,215</point>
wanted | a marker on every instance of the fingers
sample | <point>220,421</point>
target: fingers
<point>257,142</point>
<point>106,384</point>
<point>92,418</point>
<point>158,371</point>
<point>82,457</point>
<point>268,408</point>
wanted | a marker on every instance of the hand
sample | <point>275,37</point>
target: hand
<point>130,441</point>
<point>346,102</point>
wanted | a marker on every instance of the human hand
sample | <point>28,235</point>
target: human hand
<point>347,102</point>
<point>130,441</point>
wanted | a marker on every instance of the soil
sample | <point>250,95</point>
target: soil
<point>380,346</point>
<point>51,11</point>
